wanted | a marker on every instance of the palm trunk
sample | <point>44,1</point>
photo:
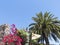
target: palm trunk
<point>30,38</point>
<point>46,38</point>
<point>47,41</point>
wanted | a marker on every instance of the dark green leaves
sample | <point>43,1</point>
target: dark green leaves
<point>46,24</point>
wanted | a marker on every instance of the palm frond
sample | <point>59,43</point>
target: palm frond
<point>45,24</point>
<point>32,24</point>
<point>54,37</point>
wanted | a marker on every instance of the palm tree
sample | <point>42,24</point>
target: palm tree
<point>46,25</point>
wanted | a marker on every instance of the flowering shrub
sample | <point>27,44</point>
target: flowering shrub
<point>12,38</point>
<point>13,29</point>
<point>23,35</point>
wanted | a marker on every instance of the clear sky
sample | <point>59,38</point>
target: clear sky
<point>20,12</point>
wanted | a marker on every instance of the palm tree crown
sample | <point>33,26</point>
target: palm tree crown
<point>46,25</point>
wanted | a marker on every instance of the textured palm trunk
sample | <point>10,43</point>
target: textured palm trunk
<point>30,38</point>
<point>45,38</point>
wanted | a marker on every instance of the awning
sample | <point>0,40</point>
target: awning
<point>35,36</point>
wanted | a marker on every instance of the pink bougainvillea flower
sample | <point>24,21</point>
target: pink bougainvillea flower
<point>2,43</point>
<point>13,25</point>
<point>13,29</point>
<point>8,39</point>
<point>12,38</point>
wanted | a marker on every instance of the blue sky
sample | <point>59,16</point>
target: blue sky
<point>20,12</point>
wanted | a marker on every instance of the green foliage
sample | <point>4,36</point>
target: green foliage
<point>23,35</point>
<point>46,25</point>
